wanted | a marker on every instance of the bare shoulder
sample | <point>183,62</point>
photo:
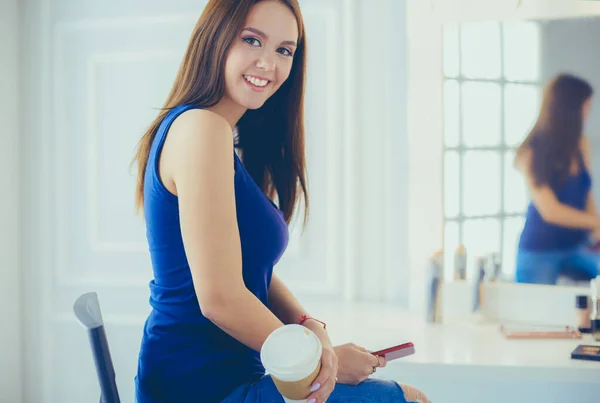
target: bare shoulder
<point>523,159</point>
<point>199,141</point>
<point>196,123</point>
<point>584,146</point>
<point>198,132</point>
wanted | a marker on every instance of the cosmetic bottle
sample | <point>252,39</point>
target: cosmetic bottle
<point>480,266</point>
<point>434,277</point>
<point>582,303</point>
<point>495,267</point>
<point>460,263</point>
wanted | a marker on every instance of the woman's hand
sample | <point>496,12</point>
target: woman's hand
<point>326,380</point>
<point>324,384</point>
<point>356,363</point>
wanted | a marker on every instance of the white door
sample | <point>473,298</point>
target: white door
<point>94,74</point>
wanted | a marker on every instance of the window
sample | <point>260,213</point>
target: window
<point>491,99</point>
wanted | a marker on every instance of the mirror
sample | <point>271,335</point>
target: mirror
<point>494,76</point>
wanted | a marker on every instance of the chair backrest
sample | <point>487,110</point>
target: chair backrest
<point>87,311</point>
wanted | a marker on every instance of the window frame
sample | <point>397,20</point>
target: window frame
<point>461,149</point>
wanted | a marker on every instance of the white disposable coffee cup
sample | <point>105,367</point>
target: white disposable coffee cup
<point>292,356</point>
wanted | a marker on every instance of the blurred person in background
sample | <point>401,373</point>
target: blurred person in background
<point>561,218</point>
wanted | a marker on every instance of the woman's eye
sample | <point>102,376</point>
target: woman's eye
<point>252,41</point>
<point>285,52</point>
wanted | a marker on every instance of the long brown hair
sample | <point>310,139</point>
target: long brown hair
<point>272,137</point>
<point>555,137</point>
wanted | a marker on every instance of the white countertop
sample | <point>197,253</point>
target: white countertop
<point>463,346</point>
<point>465,362</point>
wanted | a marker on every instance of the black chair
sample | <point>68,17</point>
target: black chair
<point>87,311</point>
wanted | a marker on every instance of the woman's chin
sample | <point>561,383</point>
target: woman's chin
<point>253,100</point>
<point>253,104</point>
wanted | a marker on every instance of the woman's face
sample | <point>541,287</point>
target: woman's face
<point>260,59</point>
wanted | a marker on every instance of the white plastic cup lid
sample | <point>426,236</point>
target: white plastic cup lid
<point>291,353</point>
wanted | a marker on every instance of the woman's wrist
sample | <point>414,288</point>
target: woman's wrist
<point>318,328</point>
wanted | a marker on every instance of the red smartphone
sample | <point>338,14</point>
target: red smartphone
<point>396,352</point>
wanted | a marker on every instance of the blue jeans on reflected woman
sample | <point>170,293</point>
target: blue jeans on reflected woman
<point>545,267</point>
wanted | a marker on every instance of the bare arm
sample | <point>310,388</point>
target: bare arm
<point>287,308</point>
<point>550,208</point>
<point>355,363</point>
<point>198,160</point>
<point>587,157</point>
<point>282,303</point>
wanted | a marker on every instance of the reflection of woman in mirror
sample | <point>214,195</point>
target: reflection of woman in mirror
<point>555,160</point>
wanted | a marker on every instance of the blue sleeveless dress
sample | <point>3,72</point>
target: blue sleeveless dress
<point>540,235</point>
<point>545,250</point>
<point>183,356</point>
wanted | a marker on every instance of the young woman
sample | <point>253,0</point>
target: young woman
<point>213,226</point>
<point>555,159</point>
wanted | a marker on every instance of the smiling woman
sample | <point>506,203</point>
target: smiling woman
<point>214,229</point>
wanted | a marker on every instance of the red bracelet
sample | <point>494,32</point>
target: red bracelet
<point>304,318</point>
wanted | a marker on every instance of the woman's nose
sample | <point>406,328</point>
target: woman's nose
<point>266,62</point>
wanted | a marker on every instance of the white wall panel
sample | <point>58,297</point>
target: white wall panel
<point>110,78</point>
<point>315,251</point>
<point>10,263</point>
